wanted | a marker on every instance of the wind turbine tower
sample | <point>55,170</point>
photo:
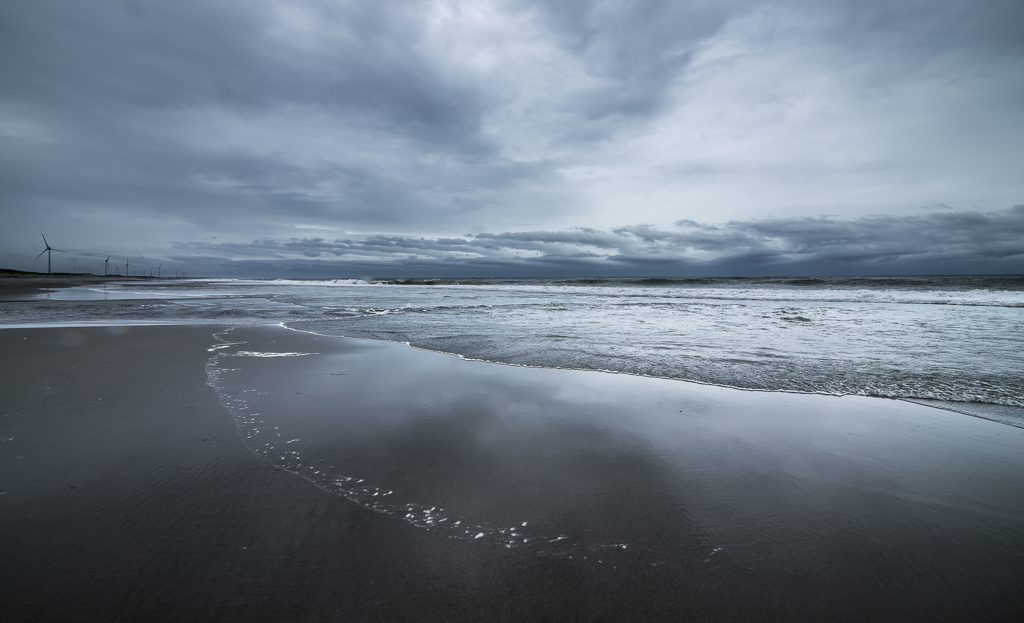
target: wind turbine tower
<point>47,252</point>
<point>125,267</point>
<point>105,262</point>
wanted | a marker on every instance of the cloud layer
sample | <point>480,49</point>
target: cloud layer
<point>128,125</point>
<point>936,241</point>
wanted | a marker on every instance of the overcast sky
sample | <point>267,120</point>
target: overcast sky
<point>519,137</point>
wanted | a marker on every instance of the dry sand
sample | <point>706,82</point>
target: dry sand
<point>128,493</point>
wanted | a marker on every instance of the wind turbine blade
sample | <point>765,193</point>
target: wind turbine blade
<point>41,254</point>
<point>108,259</point>
<point>45,242</point>
<point>58,250</point>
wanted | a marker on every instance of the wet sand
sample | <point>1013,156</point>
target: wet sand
<point>134,490</point>
<point>27,287</point>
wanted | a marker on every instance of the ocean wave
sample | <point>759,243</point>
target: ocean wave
<point>322,283</point>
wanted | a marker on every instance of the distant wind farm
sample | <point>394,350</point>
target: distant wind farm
<point>143,271</point>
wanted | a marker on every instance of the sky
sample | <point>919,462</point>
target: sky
<point>316,138</point>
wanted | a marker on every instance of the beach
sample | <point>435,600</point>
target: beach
<point>16,286</point>
<point>217,473</point>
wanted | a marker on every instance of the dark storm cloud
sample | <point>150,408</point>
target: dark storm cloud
<point>92,65</point>
<point>96,80</point>
<point>637,48</point>
<point>136,122</point>
<point>139,54</point>
<point>930,241</point>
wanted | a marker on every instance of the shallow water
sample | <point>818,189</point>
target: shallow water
<point>959,340</point>
<point>874,506</point>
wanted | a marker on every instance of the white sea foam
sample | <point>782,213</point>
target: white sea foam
<point>320,283</point>
<point>269,445</point>
<point>249,353</point>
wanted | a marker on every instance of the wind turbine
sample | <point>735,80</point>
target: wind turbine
<point>118,269</point>
<point>47,252</point>
<point>125,267</point>
<point>158,270</point>
<point>105,266</point>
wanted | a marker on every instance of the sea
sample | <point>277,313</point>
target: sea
<point>954,342</point>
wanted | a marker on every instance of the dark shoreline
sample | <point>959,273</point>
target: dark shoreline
<point>128,493</point>
<point>16,286</point>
